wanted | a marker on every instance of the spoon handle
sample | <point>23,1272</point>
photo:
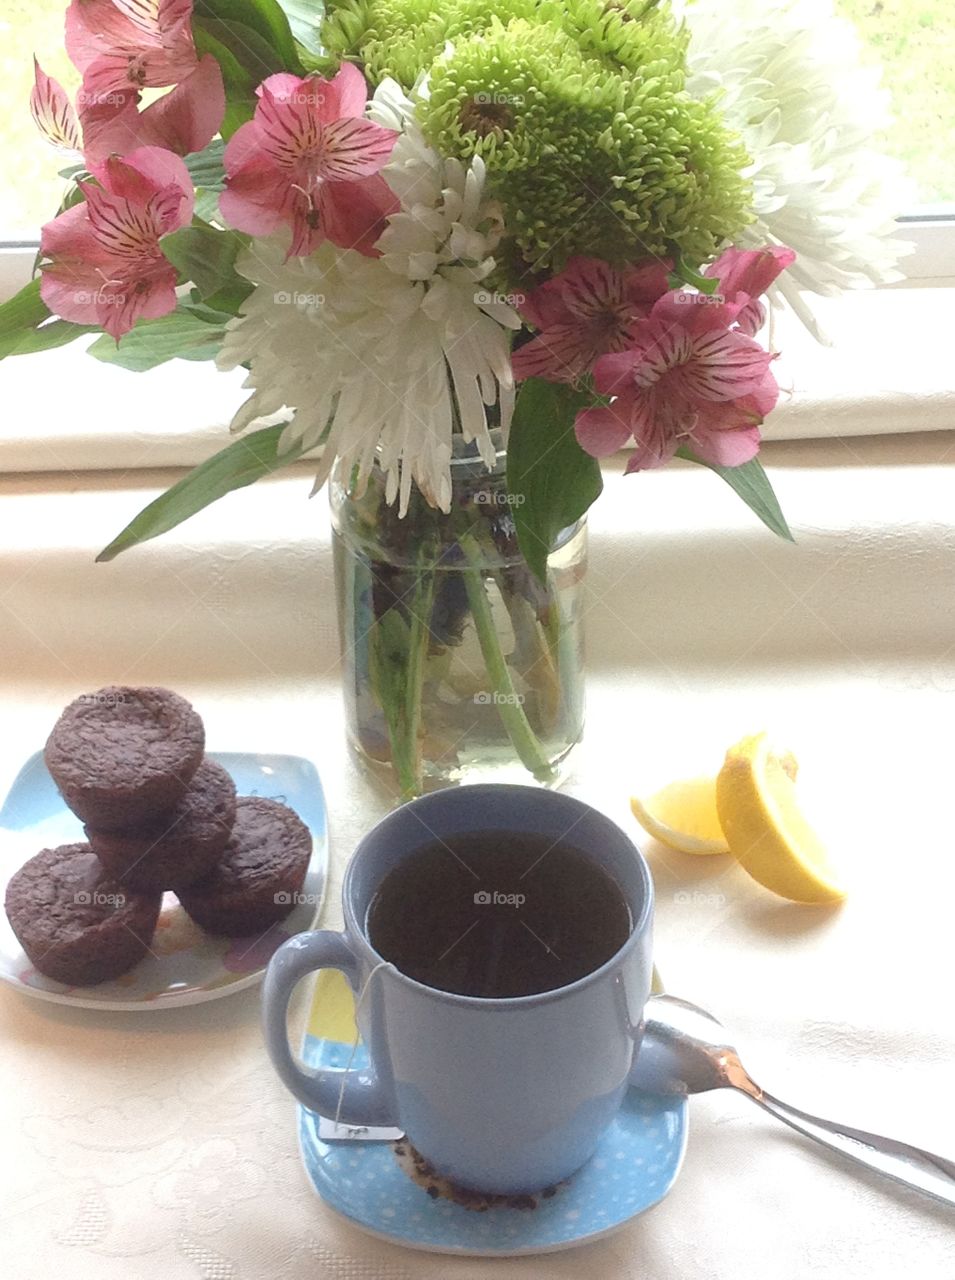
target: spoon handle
<point>934,1175</point>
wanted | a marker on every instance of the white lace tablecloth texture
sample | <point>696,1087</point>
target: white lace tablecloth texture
<point>160,1146</point>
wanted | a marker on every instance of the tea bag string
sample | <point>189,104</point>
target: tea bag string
<point>382,964</point>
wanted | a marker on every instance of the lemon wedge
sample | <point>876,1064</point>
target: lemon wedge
<point>765,829</point>
<point>683,815</point>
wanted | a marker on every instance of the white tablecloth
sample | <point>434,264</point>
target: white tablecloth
<point>160,1146</point>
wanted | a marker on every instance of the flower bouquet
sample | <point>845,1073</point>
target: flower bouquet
<point>463,249</point>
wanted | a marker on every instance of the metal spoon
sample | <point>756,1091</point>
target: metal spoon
<point>685,1050</point>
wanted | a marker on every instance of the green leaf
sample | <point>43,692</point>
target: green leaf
<point>257,58</point>
<point>239,84</point>
<point>182,334</point>
<point>753,485</point>
<point>550,479</point>
<point>206,167</point>
<point>683,274</point>
<point>205,256</point>
<point>239,464</point>
<point>305,19</point>
<point>26,324</point>
<point>265,17</point>
<point>55,333</point>
<point>207,205</point>
<point>25,310</point>
<point>228,300</point>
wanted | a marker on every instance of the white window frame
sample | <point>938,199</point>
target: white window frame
<point>16,263</point>
<point>183,408</point>
<point>933,262</point>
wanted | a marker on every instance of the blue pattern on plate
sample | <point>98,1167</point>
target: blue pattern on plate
<point>633,1168</point>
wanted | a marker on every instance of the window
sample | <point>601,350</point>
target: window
<point>914,40</point>
<point>31,189</point>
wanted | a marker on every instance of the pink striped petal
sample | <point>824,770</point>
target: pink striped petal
<point>554,354</point>
<point>189,117</point>
<point>353,214</point>
<point>130,43</point>
<point>71,290</point>
<point>604,429</point>
<point>282,86</point>
<point>752,318</point>
<point>145,297</point>
<point>108,123</point>
<point>589,286</point>
<point>724,366</point>
<point>648,281</point>
<point>750,271</point>
<point>123,229</point>
<point>345,94</point>
<point>756,407</point>
<point>660,348</point>
<point>79,267</point>
<point>287,130</point>
<point>242,148</point>
<point>183,120</point>
<point>144,172</point>
<point>694,312</point>
<point>69,235</point>
<point>156,18</point>
<point>653,448</point>
<point>111,73</point>
<point>142,198</point>
<point>163,168</point>
<point>615,371</point>
<point>725,448</point>
<point>91,27</point>
<point>53,112</point>
<point>255,199</point>
<point>353,149</point>
<point>143,14</point>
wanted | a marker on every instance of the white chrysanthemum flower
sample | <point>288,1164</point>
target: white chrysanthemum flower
<point>791,83</point>
<point>382,358</point>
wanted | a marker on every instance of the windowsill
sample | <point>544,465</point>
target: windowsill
<point>890,371</point>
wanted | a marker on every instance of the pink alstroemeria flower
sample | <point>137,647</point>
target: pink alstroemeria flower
<point>690,377</point>
<point>750,272</point>
<point>310,161</point>
<point>123,44</point>
<point>586,311</point>
<point>104,263</point>
<point>183,120</point>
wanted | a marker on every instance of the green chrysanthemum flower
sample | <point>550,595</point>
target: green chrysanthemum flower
<point>579,110</point>
<point>402,38</point>
<point>584,161</point>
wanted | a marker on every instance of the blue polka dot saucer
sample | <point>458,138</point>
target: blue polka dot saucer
<point>374,1184</point>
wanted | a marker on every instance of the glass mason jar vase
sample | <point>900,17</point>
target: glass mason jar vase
<point>458,663</point>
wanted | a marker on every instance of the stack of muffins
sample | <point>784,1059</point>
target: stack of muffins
<point>158,816</point>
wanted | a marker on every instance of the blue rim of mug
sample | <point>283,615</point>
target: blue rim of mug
<point>356,932</point>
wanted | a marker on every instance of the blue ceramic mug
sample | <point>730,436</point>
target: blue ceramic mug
<point>503,1095</point>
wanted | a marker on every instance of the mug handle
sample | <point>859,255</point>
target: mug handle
<point>363,1100</point>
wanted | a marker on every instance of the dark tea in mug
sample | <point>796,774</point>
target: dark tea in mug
<point>498,914</point>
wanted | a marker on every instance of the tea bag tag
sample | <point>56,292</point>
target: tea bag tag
<point>330,1130</point>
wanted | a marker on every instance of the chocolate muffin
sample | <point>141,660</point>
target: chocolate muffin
<point>255,882</point>
<point>122,757</point>
<point>76,923</point>
<point>181,847</point>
